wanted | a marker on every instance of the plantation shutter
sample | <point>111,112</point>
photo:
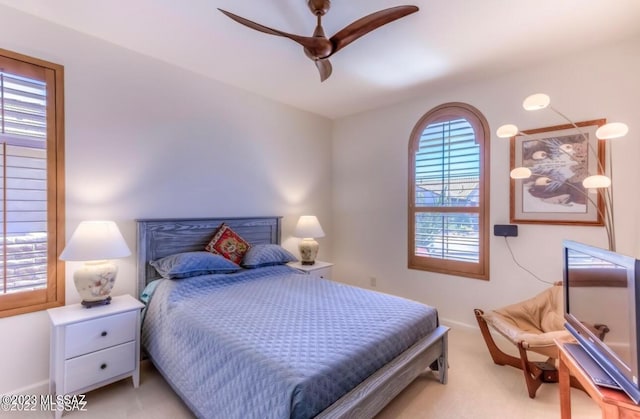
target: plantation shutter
<point>447,176</point>
<point>23,183</point>
<point>448,192</point>
<point>31,184</point>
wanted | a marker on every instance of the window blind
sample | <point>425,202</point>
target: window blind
<point>447,165</point>
<point>23,184</point>
<point>447,176</point>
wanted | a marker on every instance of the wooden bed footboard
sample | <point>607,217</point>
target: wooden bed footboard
<point>374,393</point>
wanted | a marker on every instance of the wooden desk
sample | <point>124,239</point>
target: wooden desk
<point>613,403</point>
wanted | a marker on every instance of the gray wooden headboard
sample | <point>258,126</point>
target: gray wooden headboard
<point>158,238</point>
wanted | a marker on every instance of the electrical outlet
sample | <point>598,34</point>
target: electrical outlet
<point>505,230</point>
<point>373,281</point>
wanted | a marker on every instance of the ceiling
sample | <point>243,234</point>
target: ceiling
<point>447,41</point>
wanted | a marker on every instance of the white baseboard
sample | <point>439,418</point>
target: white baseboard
<point>41,387</point>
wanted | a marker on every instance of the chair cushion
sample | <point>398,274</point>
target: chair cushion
<point>535,322</point>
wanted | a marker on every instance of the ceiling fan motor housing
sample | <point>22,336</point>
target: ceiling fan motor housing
<point>319,7</point>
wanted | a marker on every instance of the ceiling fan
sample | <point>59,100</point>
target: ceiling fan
<point>318,47</point>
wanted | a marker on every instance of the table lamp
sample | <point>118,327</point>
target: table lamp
<point>95,243</point>
<point>308,228</point>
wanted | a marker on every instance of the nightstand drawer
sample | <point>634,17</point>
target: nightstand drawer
<point>322,272</point>
<point>99,366</point>
<point>100,333</point>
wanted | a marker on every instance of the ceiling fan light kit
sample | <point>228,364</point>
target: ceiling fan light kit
<point>318,47</point>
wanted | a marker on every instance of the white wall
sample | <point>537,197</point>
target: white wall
<point>370,159</point>
<point>146,139</point>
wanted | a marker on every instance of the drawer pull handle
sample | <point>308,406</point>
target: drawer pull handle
<point>103,366</point>
<point>103,334</point>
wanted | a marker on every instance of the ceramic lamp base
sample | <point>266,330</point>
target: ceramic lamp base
<point>94,282</point>
<point>308,251</point>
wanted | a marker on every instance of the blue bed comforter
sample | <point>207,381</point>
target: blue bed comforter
<point>272,342</point>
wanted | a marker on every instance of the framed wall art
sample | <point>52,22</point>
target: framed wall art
<point>559,157</point>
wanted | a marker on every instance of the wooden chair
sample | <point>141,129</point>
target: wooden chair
<point>531,325</point>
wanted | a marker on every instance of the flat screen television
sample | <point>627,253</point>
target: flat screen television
<point>602,287</point>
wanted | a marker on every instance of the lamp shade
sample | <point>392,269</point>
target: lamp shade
<point>520,173</point>
<point>596,181</point>
<point>308,227</point>
<point>535,102</point>
<point>95,240</point>
<point>612,130</point>
<point>507,131</point>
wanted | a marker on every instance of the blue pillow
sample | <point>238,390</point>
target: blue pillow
<point>188,264</point>
<point>260,255</point>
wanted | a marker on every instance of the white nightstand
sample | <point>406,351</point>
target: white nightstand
<point>92,347</point>
<point>321,269</point>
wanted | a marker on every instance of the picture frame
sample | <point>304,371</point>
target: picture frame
<point>559,157</point>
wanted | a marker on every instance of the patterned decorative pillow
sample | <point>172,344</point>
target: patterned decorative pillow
<point>188,264</point>
<point>266,255</point>
<point>228,243</point>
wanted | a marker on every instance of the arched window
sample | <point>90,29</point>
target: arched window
<point>449,192</point>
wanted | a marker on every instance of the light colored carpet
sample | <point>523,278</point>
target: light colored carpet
<point>477,389</point>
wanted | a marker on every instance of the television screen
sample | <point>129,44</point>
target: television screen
<point>601,309</point>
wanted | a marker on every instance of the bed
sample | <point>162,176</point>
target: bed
<point>264,342</point>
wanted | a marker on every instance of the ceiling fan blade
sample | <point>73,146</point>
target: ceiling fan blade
<point>311,43</point>
<point>325,68</point>
<point>367,24</point>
